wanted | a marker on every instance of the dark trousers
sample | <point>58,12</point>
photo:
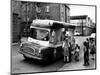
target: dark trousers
<point>86,59</point>
<point>70,55</point>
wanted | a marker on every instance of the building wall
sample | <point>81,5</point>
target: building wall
<point>16,20</point>
<point>55,12</point>
<point>15,6</point>
<point>15,28</point>
<point>62,12</point>
<point>79,25</point>
<point>78,29</point>
<point>41,11</point>
<point>87,31</point>
<point>83,26</point>
<point>67,14</point>
<point>28,11</point>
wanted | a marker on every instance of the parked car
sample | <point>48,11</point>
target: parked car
<point>77,33</point>
<point>93,35</point>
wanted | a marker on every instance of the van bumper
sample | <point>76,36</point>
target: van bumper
<point>30,55</point>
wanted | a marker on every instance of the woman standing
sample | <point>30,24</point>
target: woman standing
<point>86,54</point>
<point>66,49</point>
<point>92,48</point>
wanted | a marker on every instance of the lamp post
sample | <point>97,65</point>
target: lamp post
<point>82,29</point>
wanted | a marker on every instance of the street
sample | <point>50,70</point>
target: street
<point>20,65</point>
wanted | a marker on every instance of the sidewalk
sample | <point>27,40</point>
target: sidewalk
<point>78,65</point>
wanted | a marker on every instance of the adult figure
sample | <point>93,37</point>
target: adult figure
<point>66,48</point>
<point>86,54</point>
<point>92,48</point>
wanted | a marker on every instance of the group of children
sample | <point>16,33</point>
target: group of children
<point>72,50</point>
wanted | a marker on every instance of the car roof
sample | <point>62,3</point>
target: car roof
<point>93,35</point>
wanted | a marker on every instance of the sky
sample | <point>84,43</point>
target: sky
<point>83,10</point>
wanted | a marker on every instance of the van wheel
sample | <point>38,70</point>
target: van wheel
<point>27,58</point>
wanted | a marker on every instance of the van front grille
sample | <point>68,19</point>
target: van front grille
<point>29,50</point>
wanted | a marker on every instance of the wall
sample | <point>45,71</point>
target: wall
<point>15,28</point>
<point>87,31</point>
<point>27,12</point>
<point>15,6</point>
<point>16,20</point>
<point>83,26</point>
<point>78,29</point>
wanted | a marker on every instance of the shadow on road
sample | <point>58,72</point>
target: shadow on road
<point>42,63</point>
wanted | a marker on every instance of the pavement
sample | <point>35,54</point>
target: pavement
<point>79,65</point>
<point>20,65</point>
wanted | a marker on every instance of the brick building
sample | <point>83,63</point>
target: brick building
<point>84,24</point>
<point>26,12</point>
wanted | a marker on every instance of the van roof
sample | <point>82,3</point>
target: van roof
<point>51,23</point>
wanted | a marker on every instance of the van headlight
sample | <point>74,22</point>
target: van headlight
<point>39,51</point>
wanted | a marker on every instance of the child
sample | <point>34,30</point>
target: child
<point>77,49</point>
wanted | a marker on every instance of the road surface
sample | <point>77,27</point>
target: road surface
<point>20,65</point>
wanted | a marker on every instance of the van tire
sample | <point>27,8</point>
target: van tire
<point>27,58</point>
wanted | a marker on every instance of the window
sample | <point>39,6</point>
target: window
<point>47,9</point>
<point>38,9</point>
<point>39,34</point>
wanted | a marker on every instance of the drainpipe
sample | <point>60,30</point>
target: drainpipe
<point>82,28</point>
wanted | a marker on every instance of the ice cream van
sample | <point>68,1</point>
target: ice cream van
<point>44,40</point>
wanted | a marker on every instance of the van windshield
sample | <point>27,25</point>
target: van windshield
<point>39,34</point>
